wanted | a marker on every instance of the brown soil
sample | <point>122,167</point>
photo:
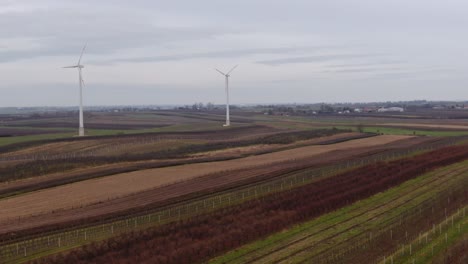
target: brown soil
<point>273,147</point>
<point>56,179</point>
<point>138,189</point>
<point>105,188</point>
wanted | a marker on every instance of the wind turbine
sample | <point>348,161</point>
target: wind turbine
<point>81,82</point>
<point>227,75</point>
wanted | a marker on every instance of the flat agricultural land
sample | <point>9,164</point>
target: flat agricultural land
<point>102,189</point>
<point>135,164</point>
<point>258,217</point>
<point>316,240</point>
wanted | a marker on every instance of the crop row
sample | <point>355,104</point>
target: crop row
<point>200,238</point>
<point>42,163</point>
<point>85,155</point>
<point>429,245</point>
<point>244,190</point>
<point>82,235</point>
<point>75,237</point>
<point>230,133</point>
<point>328,238</point>
<point>375,240</point>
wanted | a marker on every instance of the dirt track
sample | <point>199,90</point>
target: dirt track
<point>106,188</point>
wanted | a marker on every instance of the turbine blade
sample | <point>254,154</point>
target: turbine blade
<point>232,69</point>
<point>220,72</point>
<point>75,66</point>
<point>82,53</point>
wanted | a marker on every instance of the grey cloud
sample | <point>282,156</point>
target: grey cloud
<point>367,64</point>
<point>316,58</point>
<point>63,32</point>
<point>374,39</point>
<point>215,54</point>
<point>363,70</point>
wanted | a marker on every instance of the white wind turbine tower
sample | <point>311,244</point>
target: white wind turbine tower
<point>227,75</point>
<point>81,82</point>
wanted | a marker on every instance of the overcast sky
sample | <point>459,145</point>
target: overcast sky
<point>164,52</point>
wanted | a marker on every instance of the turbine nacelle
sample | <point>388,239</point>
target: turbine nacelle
<point>228,74</point>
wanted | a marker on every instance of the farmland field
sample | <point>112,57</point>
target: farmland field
<point>166,186</point>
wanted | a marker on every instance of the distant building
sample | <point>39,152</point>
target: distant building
<point>390,109</point>
<point>369,109</point>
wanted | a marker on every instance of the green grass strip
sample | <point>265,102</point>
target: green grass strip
<point>240,255</point>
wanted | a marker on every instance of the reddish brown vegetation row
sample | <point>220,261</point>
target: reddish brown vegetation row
<point>201,238</point>
<point>42,163</point>
<point>413,223</point>
<point>154,199</point>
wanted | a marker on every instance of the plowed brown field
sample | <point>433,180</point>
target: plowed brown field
<point>102,189</point>
<point>159,196</point>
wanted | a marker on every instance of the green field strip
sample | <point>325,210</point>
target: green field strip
<point>369,127</point>
<point>406,131</point>
<point>19,139</point>
<point>41,245</point>
<point>37,128</point>
<point>109,132</point>
<point>352,228</point>
<point>433,243</point>
<point>273,243</point>
<point>361,239</point>
<point>359,233</point>
<point>342,214</point>
<point>417,132</point>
